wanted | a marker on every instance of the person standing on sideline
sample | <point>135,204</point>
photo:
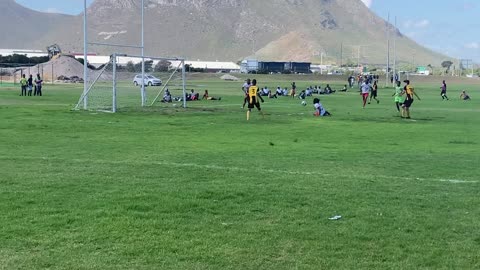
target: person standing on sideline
<point>443,92</point>
<point>253,99</point>
<point>398,96</point>
<point>294,88</point>
<point>365,91</point>
<point>245,88</point>
<point>38,84</point>
<point>30,85</point>
<point>374,93</point>
<point>410,92</point>
<point>23,84</point>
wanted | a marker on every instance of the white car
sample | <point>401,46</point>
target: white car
<point>149,80</point>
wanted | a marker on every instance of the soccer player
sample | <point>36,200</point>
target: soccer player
<point>410,92</point>
<point>399,99</point>
<point>365,90</point>
<point>443,92</point>
<point>245,88</point>
<point>319,109</point>
<point>23,83</point>
<point>253,99</point>
<point>374,93</point>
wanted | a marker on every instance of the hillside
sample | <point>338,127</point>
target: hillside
<point>297,30</point>
<point>20,26</point>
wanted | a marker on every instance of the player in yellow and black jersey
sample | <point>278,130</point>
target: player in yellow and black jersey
<point>253,98</point>
<point>410,93</point>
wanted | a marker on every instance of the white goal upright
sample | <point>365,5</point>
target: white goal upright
<point>117,84</point>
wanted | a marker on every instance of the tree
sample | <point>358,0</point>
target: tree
<point>130,66</point>
<point>431,68</point>
<point>162,66</point>
<point>447,64</point>
<point>148,66</point>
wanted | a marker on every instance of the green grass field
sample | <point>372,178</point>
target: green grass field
<point>202,188</point>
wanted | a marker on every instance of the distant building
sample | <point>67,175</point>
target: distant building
<point>99,60</point>
<point>210,66</point>
<point>273,67</point>
<point>423,71</point>
<point>249,66</point>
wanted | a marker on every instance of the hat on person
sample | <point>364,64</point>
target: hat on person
<point>407,81</point>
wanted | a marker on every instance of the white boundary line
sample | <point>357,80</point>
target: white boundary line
<point>239,169</point>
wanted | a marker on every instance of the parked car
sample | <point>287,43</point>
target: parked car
<point>149,80</point>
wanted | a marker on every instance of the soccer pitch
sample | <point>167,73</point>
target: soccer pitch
<point>202,188</point>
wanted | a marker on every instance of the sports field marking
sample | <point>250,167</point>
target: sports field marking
<point>239,169</point>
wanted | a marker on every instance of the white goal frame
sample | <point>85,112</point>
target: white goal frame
<point>83,101</point>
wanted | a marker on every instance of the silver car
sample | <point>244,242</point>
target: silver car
<point>149,80</point>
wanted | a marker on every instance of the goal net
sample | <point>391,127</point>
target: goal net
<point>116,85</point>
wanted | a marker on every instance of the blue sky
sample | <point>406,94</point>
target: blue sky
<point>449,27</point>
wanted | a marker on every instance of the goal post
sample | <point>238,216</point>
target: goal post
<point>117,84</point>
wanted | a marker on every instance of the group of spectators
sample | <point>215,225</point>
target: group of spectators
<point>30,84</point>
<point>284,92</point>
<point>191,96</point>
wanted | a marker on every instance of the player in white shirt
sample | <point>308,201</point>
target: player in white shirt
<point>365,91</point>
<point>319,109</point>
<point>245,88</point>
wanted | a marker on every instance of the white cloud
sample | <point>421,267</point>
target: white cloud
<point>416,24</point>
<point>472,45</point>
<point>423,23</point>
<point>52,10</point>
<point>367,3</point>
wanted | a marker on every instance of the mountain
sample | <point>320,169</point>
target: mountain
<point>299,30</point>
<point>22,26</point>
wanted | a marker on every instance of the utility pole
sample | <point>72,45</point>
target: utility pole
<point>341,54</point>
<point>395,52</point>
<point>85,51</point>
<point>388,50</point>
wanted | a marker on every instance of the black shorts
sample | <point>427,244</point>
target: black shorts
<point>407,103</point>
<point>374,94</point>
<point>254,103</point>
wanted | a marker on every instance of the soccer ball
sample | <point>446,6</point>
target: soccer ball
<point>304,103</point>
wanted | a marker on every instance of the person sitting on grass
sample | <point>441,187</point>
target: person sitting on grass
<point>285,92</point>
<point>309,92</point>
<point>167,98</point>
<point>279,91</point>
<point>344,89</point>
<point>319,109</point>
<point>193,96</point>
<point>207,97</point>
<point>302,95</point>
<point>328,90</point>
<point>465,96</point>
<point>272,95</point>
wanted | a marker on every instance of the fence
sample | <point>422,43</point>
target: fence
<point>12,72</point>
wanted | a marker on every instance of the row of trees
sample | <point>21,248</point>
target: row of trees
<point>161,66</point>
<point>20,59</point>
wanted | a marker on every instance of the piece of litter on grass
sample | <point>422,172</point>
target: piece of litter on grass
<point>335,218</point>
